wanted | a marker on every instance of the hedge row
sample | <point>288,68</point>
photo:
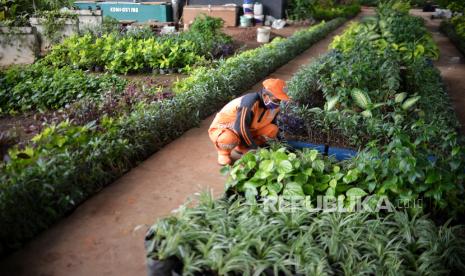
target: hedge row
<point>66,164</point>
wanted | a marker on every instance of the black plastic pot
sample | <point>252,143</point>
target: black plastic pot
<point>339,153</point>
<point>429,8</point>
<point>147,69</point>
<point>169,267</point>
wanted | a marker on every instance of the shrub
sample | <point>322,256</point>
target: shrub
<point>320,10</point>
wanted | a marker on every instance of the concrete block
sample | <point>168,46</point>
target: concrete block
<point>18,45</point>
<point>89,19</point>
<point>71,26</point>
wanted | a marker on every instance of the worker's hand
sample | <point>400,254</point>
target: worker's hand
<point>268,139</point>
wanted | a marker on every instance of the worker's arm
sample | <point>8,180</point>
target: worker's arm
<point>242,126</point>
<point>275,119</point>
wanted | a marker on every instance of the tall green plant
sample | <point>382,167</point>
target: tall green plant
<point>300,9</point>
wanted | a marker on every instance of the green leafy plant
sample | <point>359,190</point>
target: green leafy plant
<point>137,51</point>
<point>39,87</point>
<point>391,29</point>
<point>320,10</point>
<point>278,172</point>
<point>53,22</point>
<point>300,9</point>
<point>364,102</point>
<point>17,12</point>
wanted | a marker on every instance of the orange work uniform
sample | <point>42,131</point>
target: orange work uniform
<point>243,123</point>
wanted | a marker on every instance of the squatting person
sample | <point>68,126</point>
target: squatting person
<point>248,121</point>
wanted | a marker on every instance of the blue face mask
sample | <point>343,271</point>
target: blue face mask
<point>270,105</point>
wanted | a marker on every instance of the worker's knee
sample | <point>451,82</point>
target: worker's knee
<point>227,140</point>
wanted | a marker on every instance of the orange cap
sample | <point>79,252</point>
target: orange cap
<point>277,88</point>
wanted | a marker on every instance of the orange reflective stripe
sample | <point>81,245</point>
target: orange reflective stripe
<point>244,133</point>
<point>226,146</point>
<point>242,123</point>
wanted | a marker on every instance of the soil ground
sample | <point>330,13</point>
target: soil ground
<point>104,236</point>
<point>451,63</point>
<point>246,38</point>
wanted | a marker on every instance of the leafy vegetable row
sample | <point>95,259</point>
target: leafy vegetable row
<point>39,87</point>
<point>138,52</point>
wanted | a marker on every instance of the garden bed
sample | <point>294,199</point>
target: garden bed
<point>232,237</point>
<point>80,160</point>
<point>387,99</point>
<point>57,88</point>
<point>369,107</point>
<point>138,50</point>
<point>20,128</point>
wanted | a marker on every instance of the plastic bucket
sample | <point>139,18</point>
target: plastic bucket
<point>248,9</point>
<point>259,19</point>
<point>258,9</point>
<point>246,21</point>
<point>263,34</point>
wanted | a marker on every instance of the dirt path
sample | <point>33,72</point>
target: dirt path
<point>104,236</point>
<point>451,64</point>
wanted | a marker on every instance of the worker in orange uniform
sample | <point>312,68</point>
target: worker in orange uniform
<point>248,121</point>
